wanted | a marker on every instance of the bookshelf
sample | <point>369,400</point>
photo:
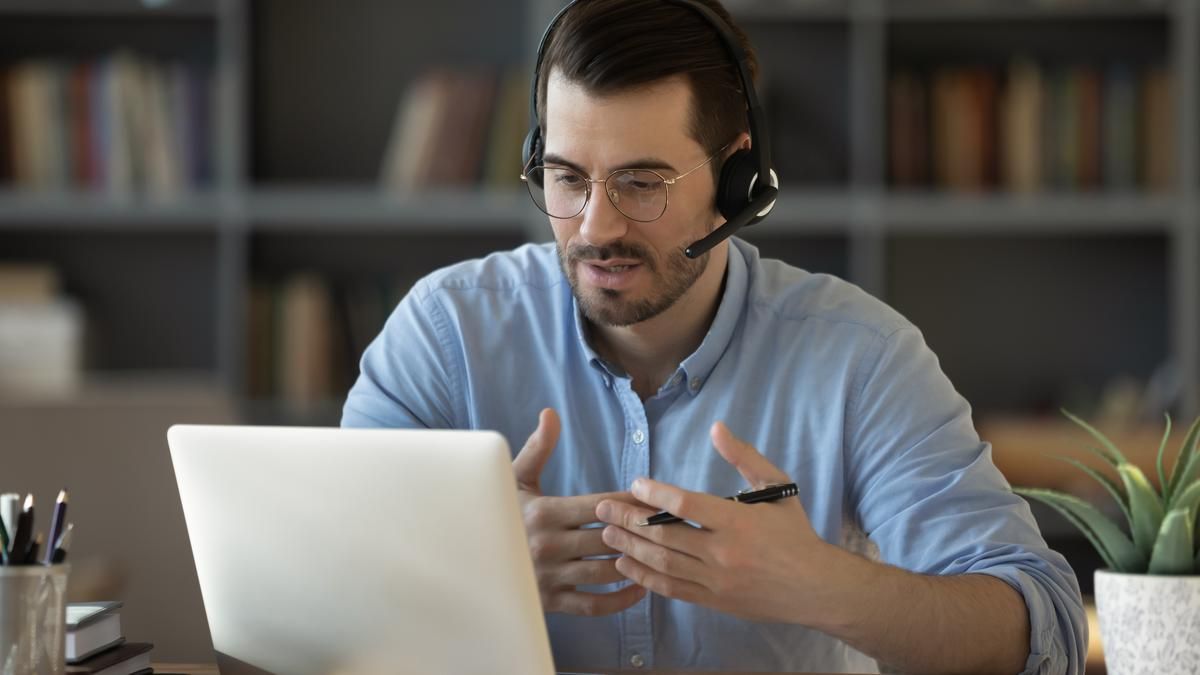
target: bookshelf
<point>1032,300</point>
<point>298,147</point>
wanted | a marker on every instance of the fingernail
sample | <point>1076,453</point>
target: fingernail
<point>603,510</point>
<point>639,484</point>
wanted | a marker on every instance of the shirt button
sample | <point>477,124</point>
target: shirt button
<point>639,436</point>
<point>637,661</point>
<point>696,383</point>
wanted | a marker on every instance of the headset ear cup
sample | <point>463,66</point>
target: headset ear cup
<point>733,188</point>
<point>531,147</point>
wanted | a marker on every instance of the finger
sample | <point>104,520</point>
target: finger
<point>561,546</point>
<point>586,572</point>
<point>570,512</point>
<point>680,537</point>
<point>711,512</point>
<point>662,584</point>
<point>529,462</point>
<point>656,556</point>
<point>596,604</point>
<point>756,469</point>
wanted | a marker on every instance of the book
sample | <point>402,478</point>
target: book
<point>1021,128</point>
<point>1157,131</point>
<point>908,126</point>
<point>1089,165</point>
<point>1120,128</point>
<point>92,627</point>
<point>131,658</point>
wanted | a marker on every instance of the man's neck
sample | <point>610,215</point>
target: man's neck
<point>650,351</point>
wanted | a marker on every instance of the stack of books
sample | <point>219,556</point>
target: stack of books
<point>96,646</point>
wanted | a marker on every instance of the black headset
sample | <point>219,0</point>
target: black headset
<point>741,197</point>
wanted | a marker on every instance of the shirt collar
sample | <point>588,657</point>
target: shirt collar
<point>700,363</point>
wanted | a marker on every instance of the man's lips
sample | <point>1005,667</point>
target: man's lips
<point>614,274</point>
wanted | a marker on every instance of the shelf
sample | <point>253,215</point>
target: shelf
<point>1050,214</point>
<point>334,209</point>
<point>138,389</point>
<point>808,211</point>
<point>987,10</point>
<point>68,210</point>
<point>1024,450</point>
<point>138,9</point>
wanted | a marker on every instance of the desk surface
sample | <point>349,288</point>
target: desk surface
<point>210,669</point>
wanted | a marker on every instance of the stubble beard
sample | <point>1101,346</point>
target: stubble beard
<point>671,278</point>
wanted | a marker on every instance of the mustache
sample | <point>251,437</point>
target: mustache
<point>583,252</point>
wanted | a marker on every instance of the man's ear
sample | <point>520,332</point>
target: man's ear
<point>742,142</point>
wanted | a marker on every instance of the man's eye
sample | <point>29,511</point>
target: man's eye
<point>568,180</point>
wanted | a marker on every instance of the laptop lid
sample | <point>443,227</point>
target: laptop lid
<point>360,550</point>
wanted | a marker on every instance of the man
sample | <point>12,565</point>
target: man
<point>667,383</point>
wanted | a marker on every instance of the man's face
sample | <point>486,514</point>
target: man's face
<point>623,271</point>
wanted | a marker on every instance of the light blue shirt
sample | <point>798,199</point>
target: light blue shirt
<point>831,385</point>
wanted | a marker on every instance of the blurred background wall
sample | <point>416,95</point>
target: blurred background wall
<point>208,207</point>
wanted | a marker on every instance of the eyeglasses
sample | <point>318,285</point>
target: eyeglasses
<point>639,194</point>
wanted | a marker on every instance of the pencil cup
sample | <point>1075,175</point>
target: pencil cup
<point>32,619</point>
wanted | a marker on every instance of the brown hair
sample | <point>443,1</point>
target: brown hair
<point>610,46</point>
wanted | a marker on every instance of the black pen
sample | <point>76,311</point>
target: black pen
<point>34,547</point>
<point>22,534</point>
<point>769,493</point>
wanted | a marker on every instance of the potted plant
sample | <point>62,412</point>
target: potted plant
<point>1148,598</point>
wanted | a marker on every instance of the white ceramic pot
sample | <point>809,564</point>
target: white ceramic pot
<point>1150,624</point>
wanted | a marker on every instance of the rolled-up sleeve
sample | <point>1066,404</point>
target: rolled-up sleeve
<point>925,490</point>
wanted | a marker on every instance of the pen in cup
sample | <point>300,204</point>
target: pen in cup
<point>64,542</point>
<point>22,536</point>
<point>56,525</point>
<point>769,493</point>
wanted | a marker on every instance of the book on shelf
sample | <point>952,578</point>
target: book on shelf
<point>92,627</point>
<point>117,124</point>
<point>306,334</point>
<point>455,128</point>
<point>1031,127</point>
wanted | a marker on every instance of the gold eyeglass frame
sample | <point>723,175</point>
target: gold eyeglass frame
<point>668,182</point>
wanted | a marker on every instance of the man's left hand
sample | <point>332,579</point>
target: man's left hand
<point>761,562</point>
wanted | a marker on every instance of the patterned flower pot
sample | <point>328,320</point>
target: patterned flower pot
<point>1150,624</point>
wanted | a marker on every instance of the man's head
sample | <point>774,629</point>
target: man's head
<point>643,83</point>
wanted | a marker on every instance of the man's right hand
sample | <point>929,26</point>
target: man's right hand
<point>556,542</point>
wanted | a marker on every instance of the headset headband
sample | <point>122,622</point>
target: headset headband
<point>754,114</point>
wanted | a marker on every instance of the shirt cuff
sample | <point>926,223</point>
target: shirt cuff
<point>1058,630</point>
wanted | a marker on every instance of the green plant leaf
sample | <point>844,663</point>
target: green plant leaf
<point>1188,500</point>
<point>1113,454</point>
<point>1110,542</point>
<point>1162,447</point>
<point>1186,465</point>
<point>1144,505</point>
<point>1108,483</point>
<point>1173,548</point>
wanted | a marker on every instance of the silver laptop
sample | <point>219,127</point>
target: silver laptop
<point>360,551</point>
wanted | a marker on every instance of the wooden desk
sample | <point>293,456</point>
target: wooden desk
<point>211,669</point>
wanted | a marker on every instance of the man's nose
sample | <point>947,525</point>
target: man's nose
<point>602,222</point>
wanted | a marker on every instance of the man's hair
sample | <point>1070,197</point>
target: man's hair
<point>612,46</point>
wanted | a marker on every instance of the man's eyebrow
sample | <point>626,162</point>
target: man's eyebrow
<point>643,163</point>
